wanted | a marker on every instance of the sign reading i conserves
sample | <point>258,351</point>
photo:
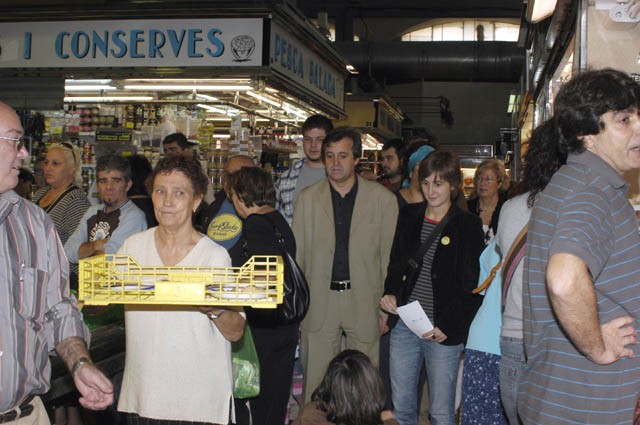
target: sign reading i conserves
<point>132,43</point>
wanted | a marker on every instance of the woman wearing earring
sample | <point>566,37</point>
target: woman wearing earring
<point>491,183</point>
<point>447,273</point>
<point>62,198</point>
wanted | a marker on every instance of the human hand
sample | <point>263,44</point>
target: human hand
<point>386,415</point>
<point>616,335</point>
<point>95,388</point>
<point>98,245</point>
<point>389,304</point>
<point>209,309</point>
<point>435,335</point>
<point>383,323</point>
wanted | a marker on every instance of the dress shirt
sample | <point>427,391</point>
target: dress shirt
<point>342,212</point>
<point>37,311</point>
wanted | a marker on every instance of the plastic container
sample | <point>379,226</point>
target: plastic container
<point>118,279</point>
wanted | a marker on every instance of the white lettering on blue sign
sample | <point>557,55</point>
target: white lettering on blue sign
<point>136,44</point>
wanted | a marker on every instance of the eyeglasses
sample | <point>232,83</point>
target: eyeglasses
<point>486,179</point>
<point>71,148</point>
<point>19,141</point>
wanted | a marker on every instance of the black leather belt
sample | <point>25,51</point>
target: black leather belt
<point>340,285</point>
<point>21,411</point>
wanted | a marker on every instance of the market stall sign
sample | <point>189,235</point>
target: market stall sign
<point>289,56</point>
<point>114,135</point>
<point>132,43</point>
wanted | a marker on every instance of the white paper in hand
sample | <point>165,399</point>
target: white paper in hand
<point>415,318</point>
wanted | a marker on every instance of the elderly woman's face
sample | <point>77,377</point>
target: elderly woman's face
<point>58,170</point>
<point>173,199</point>
<point>487,183</point>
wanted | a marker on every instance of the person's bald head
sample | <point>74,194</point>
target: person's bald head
<point>236,162</point>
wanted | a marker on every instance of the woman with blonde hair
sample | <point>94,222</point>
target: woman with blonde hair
<point>62,198</point>
<point>65,202</point>
<point>491,183</point>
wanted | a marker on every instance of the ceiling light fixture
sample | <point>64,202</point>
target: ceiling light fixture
<point>71,81</point>
<point>87,87</point>
<point>264,99</point>
<point>71,99</point>
<point>207,97</point>
<point>187,87</point>
<point>211,108</point>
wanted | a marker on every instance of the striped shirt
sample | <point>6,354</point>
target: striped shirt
<point>36,310</point>
<point>67,211</point>
<point>423,290</point>
<point>584,212</point>
<point>285,189</point>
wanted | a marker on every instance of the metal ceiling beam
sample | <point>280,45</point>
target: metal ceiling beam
<point>414,8</point>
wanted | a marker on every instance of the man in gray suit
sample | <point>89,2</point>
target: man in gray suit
<point>344,228</point>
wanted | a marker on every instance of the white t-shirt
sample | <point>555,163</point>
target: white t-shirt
<point>178,364</point>
<point>514,215</point>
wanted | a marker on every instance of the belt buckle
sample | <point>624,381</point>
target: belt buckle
<point>25,409</point>
<point>340,285</point>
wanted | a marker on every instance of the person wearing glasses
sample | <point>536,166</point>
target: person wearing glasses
<point>62,198</point>
<point>491,183</point>
<point>38,314</point>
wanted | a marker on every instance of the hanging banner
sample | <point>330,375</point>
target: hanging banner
<point>132,43</point>
<point>290,57</point>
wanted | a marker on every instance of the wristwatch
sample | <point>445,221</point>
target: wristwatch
<point>216,314</point>
<point>78,363</point>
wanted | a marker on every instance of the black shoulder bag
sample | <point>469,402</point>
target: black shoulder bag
<point>295,297</point>
<point>409,278</point>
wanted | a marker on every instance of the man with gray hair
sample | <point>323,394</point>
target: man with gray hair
<point>38,312</point>
<point>104,227</point>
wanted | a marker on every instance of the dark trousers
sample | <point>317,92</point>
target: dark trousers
<point>276,348</point>
<point>134,419</point>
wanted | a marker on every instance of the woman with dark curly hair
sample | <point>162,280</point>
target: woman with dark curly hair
<point>351,393</point>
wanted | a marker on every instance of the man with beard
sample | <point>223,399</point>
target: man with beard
<point>392,154</point>
<point>104,227</point>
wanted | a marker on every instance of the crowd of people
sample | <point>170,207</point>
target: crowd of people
<point>534,285</point>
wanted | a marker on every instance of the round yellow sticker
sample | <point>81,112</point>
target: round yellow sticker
<point>445,240</point>
<point>224,227</point>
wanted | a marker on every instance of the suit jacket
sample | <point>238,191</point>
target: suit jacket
<point>372,228</point>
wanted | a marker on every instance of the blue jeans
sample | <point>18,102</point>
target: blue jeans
<point>408,351</point>
<point>511,365</point>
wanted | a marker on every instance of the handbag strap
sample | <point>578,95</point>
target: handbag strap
<point>489,279</point>
<point>511,262</point>
<point>424,247</point>
<point>276,233</point>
